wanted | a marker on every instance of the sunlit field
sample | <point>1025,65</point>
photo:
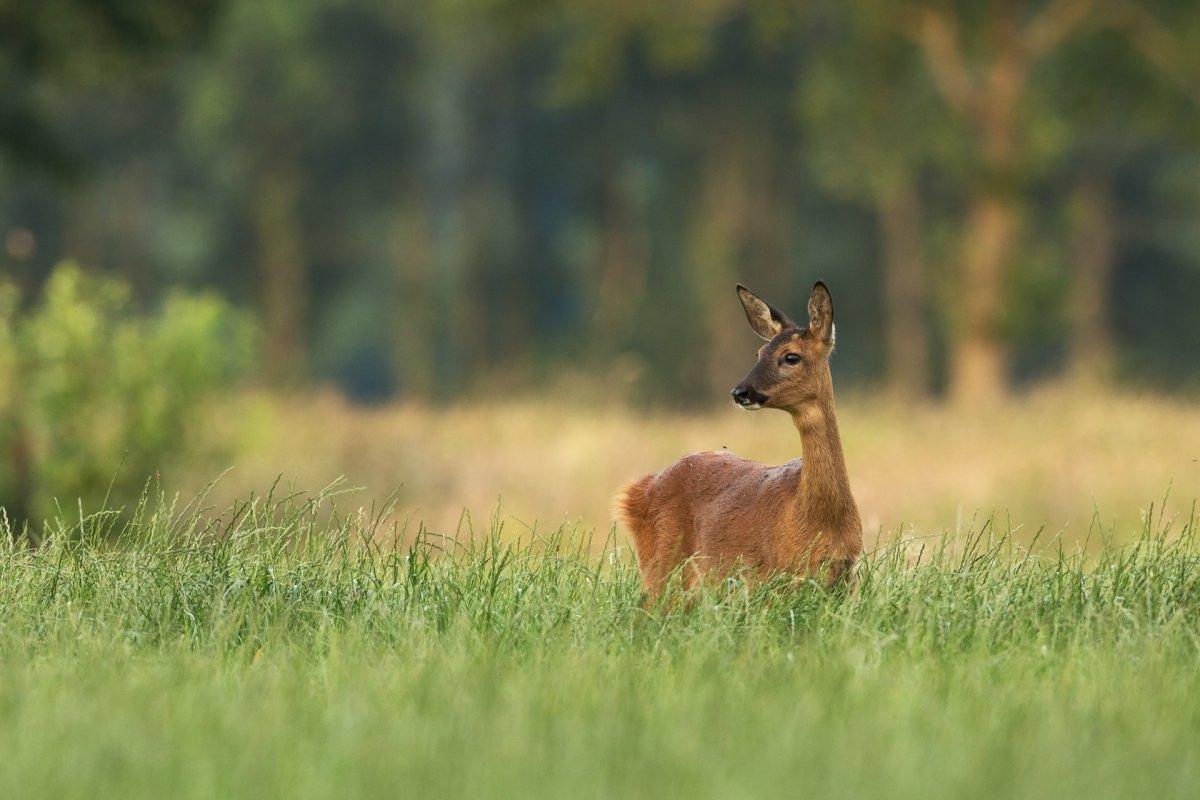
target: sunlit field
<point>1062,462</point>
<point>272,651</point>
<point>459,617</point>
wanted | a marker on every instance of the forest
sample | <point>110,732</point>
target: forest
<point>445,198</point>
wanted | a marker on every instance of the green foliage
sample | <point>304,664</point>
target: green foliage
<point>284,656</point>
<point>875,122</point>
<point>56,47</point>
<point>97,399</point>
<point>389,180</point>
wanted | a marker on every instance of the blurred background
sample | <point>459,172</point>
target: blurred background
<point>484,252</point>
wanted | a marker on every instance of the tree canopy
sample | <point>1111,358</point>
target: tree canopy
<point>433,197</point>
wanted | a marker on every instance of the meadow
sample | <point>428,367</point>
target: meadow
<point>1058,460</point>
<point>276,649</point>
<point>456,616</point>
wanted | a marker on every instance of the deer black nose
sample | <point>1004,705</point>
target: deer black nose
<point>747,396</point>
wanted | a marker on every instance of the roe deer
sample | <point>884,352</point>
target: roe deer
<point>711,513</point>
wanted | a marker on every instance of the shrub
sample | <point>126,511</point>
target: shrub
<point>95,400</point>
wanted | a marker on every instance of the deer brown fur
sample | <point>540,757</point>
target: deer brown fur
<point>709,514</point>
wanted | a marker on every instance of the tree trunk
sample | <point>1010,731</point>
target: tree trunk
<point>716,246</point>
<point>979,361</point>
<point>1093,253</point>
<point>987,98</point>
<point>448,198</point>
<point>723,245</point>
<point>623,259</point>
<point>19,506</point>
<point>906,328</point>
<point>280,232</point>
<point>415,317</point>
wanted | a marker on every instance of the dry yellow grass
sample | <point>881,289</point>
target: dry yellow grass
<point>1052,459</point>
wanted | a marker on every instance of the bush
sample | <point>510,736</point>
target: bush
<point>96,400</point>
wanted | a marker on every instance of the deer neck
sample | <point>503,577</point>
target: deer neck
<point>824,491</point>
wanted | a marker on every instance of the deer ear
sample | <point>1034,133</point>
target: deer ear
<point>820,314</point>
<point>766,320</point>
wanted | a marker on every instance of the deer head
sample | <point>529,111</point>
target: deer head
<point>793,365</point>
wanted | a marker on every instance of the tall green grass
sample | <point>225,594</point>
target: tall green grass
<point>282,649</point>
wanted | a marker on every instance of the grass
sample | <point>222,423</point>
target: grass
<point>279,650</point>
<point>1056,458</point>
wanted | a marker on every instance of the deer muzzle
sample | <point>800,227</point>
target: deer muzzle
<point>748,397</point>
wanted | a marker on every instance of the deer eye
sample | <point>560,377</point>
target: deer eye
<point>792,358</point>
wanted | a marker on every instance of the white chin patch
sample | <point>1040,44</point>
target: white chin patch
<point>753,407</point>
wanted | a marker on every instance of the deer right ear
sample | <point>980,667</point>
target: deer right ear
<point>766,320</point>
<point>820,314</point>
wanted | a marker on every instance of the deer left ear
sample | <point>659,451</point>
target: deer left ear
<point>766,320</point>
<point>820,314</point>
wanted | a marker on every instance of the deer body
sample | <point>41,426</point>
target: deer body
<point>713,513</point>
